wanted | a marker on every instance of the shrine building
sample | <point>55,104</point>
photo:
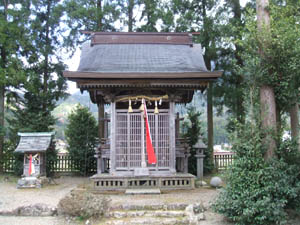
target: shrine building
<point>141,77</point>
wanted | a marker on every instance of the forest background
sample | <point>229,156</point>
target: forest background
<point>37,36</point>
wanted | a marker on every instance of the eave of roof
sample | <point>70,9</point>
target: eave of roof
<point>135,75</point>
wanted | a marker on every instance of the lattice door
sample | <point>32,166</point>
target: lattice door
<point>129,139</point>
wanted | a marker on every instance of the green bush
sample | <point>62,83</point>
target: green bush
<point>192,131</point>
<point>81,134</point>
<point>51,158</point>
<point>259,191</point>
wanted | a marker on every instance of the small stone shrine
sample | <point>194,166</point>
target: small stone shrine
<point>34,147</point>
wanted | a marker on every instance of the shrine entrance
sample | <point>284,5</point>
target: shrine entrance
<point>131,134</point>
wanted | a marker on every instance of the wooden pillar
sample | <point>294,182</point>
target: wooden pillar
<point>101,120</point>
<point>106,121</point>
<point>113,138</point>
<point>177,125</point>
<point>100,135</point>
<point>210,125</point>
<point>172,136</point>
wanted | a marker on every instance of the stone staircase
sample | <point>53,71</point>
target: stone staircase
<point>170,214</point>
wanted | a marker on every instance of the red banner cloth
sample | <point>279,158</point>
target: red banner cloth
<point>30,165</point>
<point>149,146</point>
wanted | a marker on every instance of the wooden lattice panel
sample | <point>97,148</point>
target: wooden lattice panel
<point>129,139</point>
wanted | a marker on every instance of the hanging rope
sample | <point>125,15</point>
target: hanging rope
<point>140,97</point>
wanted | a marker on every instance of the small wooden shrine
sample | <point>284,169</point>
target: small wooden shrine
<point>34,147</point>
<point>142,76</point>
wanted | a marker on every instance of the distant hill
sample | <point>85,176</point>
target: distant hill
<point>66,106</point>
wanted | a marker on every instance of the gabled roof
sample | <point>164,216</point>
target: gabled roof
<point>141,58</point>
<point>141,55</point>
<point>112,57</point>
<point>34,142</point>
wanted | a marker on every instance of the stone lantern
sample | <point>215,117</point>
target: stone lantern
<point>200,147</point>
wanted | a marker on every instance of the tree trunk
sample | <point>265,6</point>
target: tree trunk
<point>99,16</point>
<point>294,114</point>
<point>46,55</point>
<point>130,15</point>
<point>267,96</point>
<point>2,91</point>
<point>268,117</point>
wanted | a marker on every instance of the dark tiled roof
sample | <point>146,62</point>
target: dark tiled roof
<point>34,142</point>
<point>141,58</point>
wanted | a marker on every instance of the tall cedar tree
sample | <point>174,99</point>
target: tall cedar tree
<point>81,134</point>
<point>230,88</point>
<point>150,15</point>
<point>44,84</point>
<point>284,56</point>
<point>128,15</point>
<point>13,34</point>
<point>88,15</point>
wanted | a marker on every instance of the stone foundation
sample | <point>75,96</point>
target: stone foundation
<point>32,182</point>
<point>168,182</point>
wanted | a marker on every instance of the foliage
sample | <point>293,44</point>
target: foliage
<point>44,84</point>
<point>81,134</point>
<point>279,67</point>
<point>192,131</point>
<point>51,158</point>
<point>89,16</point>
<point>259,191</point>
<point>13,36</point>
<point>9,148</point>
<point>83,204</point>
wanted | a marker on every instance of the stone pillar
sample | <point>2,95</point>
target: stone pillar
<point>99,161</point>
<point>186,162</point>
<point>200,156</point>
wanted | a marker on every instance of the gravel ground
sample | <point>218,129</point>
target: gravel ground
<point>11,197</point>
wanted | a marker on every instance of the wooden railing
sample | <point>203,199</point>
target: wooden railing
<point>223,159</point>
<point>8,164</point>
<point>63,164</point>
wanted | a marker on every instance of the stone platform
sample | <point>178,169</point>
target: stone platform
<point>164,182</point>
<point>32,182</point>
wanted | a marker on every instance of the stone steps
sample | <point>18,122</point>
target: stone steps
<point>148,221</point>
<point>122,207</point>
<point>145,213</point>
<point>169,214</point>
